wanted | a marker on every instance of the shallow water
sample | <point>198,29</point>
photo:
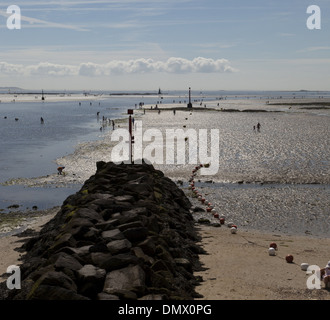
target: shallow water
<point>277,208</point>
<point>290,156</point>
<point>29,148</point>
<point>290,147</point>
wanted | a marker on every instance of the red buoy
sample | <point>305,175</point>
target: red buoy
<point>273,245</point>
<point>289,258</point>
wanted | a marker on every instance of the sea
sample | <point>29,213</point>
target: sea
<point>29,146</point>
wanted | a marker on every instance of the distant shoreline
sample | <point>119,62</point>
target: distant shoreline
<point>319,103</point>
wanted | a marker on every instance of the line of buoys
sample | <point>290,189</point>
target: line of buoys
<point>272,249</point>
<point>209,207</point>
<point>289,258</point>
<point>233,227</point>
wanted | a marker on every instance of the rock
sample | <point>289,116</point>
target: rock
<point>106,296</point>
<point>184,263</point>
<point>99,247</point>
<point>159,265</point>
<point>204,221</point>
<point>107,225</point>
<point>136,211</point>
<point>47,292</point>
<point>124,294</point>
<point>198,209</point>
<point>125,198</point>
<point>134,224</point>
<point>119,246</point>
<point>63,260</point>
<point>91,280</point>
<point>140,254</point>
<point>148,246</point>
<point>56,279</point>
<point>118,261</point>
<point>88,214</point>
<point>136,234</point>
<point>100,258</point>
<point>131,278</point>
<point>114,234</point>
<point>64,240</point>
<point>153,297</point>
<point>127,234</point>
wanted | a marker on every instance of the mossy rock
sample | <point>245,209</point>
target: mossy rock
<point>158,195</point>
<point>204,221</point>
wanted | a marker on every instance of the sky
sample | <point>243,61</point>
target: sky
<point>172,45</point>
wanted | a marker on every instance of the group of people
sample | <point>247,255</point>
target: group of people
<point>105,121</point>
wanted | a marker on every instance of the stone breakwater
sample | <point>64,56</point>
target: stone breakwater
<point>127,234</point>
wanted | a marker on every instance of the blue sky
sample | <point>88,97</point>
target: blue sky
<point>172,44</point>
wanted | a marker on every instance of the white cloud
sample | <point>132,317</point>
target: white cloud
<point>50,69</point>
<point>11,69</point>
<point>172,65</point>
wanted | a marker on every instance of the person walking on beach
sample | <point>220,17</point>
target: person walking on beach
<point>41,120</point>
<point>258,126</point>
<point>59,170</point>
<point>113,125</point>
<point>325,273</point>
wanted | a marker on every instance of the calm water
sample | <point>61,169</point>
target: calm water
<point>29,148</point>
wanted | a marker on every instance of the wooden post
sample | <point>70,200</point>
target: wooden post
<point>189,105</point>
<point>130,112</point>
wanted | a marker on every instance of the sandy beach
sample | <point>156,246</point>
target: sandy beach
<point>11,241</point>
<point>273,184</point>
<point>238,266</point>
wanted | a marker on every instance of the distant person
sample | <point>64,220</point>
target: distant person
<point>174,111</point>
<point>325,274</point>
<point>254,128</point>
<point>60,170</point>
<point>258,126</point>
<point>113,125</point>
<point>42,120</point>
